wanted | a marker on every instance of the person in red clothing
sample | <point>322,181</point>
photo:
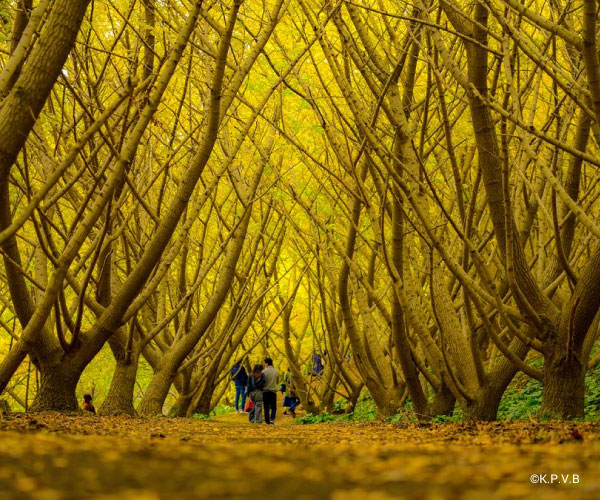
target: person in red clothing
<point>87,404</point>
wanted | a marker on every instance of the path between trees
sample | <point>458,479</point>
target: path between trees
<point>55,457</point>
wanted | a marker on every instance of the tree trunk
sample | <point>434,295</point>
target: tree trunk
<point>353,398</point>
<point>204,403</point>
<point>327,401</point>
<point>11,363</point>
<point>181,406</point>
<point>484,408</point>
<point>387,409</point>
<point>564,387</point>
<point>443,402</point>
<point>119,400</point>
<point>201,401</point>
<point>22,105</point>
<point>389,402</point>
<point>154,399</point>
<point>57,389</point>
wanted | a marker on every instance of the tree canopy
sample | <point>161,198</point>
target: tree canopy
<point>405,190</point>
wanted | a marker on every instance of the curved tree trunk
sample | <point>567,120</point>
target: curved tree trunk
<point>19,110</point>
<point>154,398</point>
<point>387,407</point>
<point>486,404</point>
<point>485,407</point>
<point>327,395</point>
<point>353,398</point>
<point>180,408</point>
<point>11,363</point>
<point>204,406</point>
<point>201,396</point>
<point>119,400</point>
<point>443,402</point>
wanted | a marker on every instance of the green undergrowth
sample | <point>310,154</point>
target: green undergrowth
<point>523,398</point>
<point>364,411</point>
<point>220,409</point>
<point>521,401</point>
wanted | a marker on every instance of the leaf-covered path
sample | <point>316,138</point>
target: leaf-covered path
<point>52,457</point>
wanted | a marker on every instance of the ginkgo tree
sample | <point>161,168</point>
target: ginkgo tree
<point>407,189</point>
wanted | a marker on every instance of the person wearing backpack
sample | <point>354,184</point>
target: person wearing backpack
<point>240,379</point>
<point>256,384</point>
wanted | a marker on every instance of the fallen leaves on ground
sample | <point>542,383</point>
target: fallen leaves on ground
<point>55,457</point>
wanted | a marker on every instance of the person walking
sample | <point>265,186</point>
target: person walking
<point>240,379</point>
<point>256,384</point>
<point>290,400</point>
<point>294,402</point>
<point>270,391</point>
<point>317,364</point>
<point>286,380</point>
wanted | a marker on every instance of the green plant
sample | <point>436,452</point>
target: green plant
<point>340,406</point>
<point>521,400</point>
<point>364,411</point>
<point>315,419</point>
<point>592,399</point>
<point>222,409</point>
<point>447,419</point>
<point>200,416</point>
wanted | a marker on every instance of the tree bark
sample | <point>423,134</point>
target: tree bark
<point>21,107</point>
<point>57,389</point>
<point>154,398</point>
<point>443,402</point>
<point>485,407</point>
<point>11,363</point>
<point>564,388</point>
<point>119,400</point>
<point>204,403</point>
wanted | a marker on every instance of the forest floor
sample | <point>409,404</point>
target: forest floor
<point>55,457</point>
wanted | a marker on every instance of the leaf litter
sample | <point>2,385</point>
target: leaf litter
<point>55,457</point>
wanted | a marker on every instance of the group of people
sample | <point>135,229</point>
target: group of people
<point>261,387</point>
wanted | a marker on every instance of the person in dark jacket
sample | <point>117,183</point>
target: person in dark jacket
<point>256,384</point>
<point>240,378</point>
<point>290,399</point>
<point>317,364</point>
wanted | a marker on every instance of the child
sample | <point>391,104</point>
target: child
<point>87,404</point>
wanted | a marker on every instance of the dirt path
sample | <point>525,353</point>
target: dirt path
<point>53,457</point>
